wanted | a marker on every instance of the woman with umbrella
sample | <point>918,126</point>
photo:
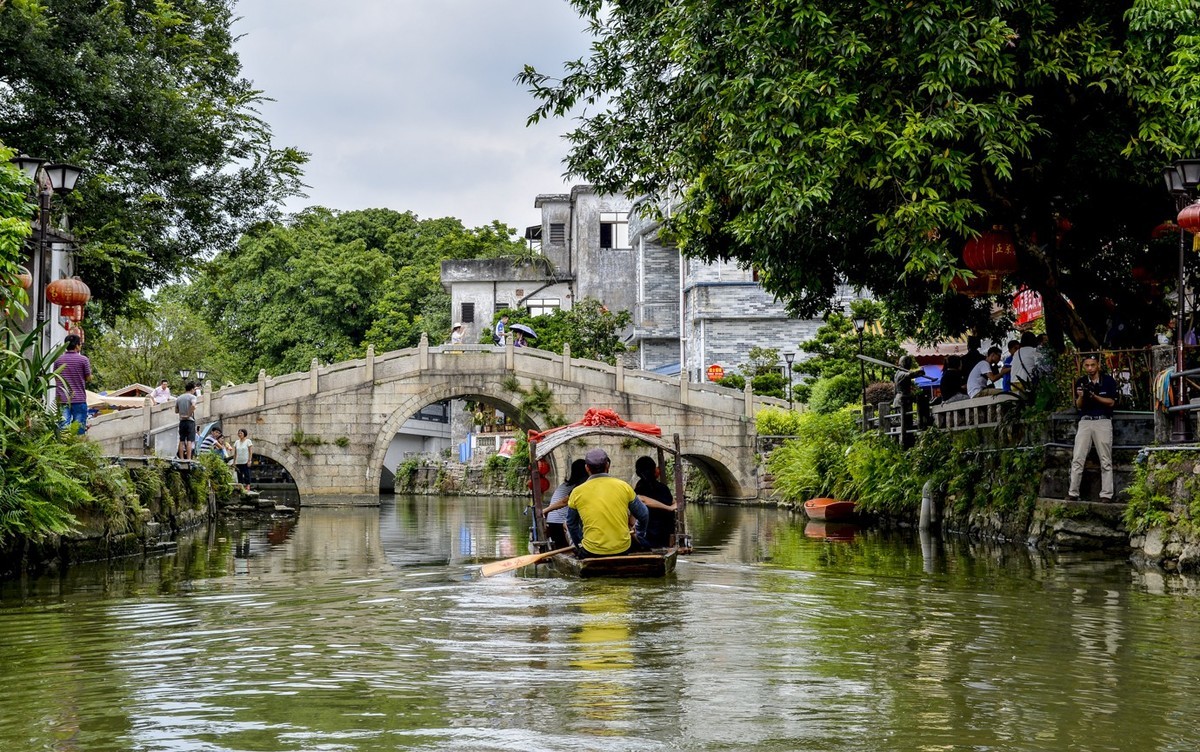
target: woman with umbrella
<point>522,333</point>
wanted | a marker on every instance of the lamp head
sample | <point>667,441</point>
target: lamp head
<point>1189,172</point>
<point>184,373</point>
<point>62,177</point>
<point>789,357</point>
<point>28,165</point>
<point>860,323</point>
<point>1173,179</point>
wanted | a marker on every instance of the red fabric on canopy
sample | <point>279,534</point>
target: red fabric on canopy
<point>596,416</point>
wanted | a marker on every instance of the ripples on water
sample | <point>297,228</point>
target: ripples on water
<point>366,629</point>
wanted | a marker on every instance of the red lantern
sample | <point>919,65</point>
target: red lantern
<point>72,312</point>
<point>25,278</point>
<point>1164,230</point>
<point>545,484</point>
<point>543,467</point>
<point>68,292</point>
<point>991,254</point>
<point>1189,218</point>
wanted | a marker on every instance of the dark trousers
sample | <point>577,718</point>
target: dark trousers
<point>557,533</point>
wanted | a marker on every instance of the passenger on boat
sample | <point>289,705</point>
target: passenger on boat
<point>598,511</point>
<point>661,525</point>
<point>556,511</point>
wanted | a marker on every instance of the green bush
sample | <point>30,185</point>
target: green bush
<point>733,381</point>
<point>772,421</point>
<point>832,394</point>
<point>770,384</point>
<point>814,463</point>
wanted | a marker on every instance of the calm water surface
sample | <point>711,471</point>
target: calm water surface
<point>367,629</point>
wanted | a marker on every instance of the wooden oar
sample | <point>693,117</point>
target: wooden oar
<point>496,567</point>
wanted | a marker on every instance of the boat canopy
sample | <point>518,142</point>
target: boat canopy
<point>569,433</point>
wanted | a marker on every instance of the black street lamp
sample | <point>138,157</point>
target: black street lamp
<point>788,357</point>
<point>201,374</point>
<point>61,179</point>
<point>860,323</point>
<point>1182,179</point>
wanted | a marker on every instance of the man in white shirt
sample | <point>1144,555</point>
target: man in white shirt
<point>1027,365</point>
<point>162,393</point>
<point>982,377</point>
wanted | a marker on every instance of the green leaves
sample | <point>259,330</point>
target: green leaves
<point>149,100</point>
<point>865,142</point>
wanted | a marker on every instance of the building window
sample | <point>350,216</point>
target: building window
<point>558,233</point>
<point>468,313</point>
<point>614,229</point>
<point>542,306</point>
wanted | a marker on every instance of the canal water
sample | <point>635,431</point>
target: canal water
<point>369,629</point>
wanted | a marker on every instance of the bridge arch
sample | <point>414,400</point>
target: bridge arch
<point>482,391</point>
<point>276,453</point>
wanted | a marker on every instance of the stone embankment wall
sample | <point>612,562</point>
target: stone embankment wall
<point>169,501</point>
<point>435,478</point>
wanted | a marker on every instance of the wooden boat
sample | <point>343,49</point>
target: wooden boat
<point>656,563</point>
<point>649,564</point>
<point>829,509</point>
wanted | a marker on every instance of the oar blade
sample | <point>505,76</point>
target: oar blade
<point>507,565</point>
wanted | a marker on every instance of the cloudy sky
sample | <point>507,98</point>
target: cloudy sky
<point>412,105</point>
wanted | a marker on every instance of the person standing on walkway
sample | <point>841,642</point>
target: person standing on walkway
<point>1095,396</point>
<point>243,453</point>
<point>185,407</point>
<point>72,371</point>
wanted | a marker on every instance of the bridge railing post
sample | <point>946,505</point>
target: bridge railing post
<point>148,427</point>
<point>423,353</point>
<point>566,371</point>
<point>749,399</point>
<point>510,358</point>
<point>370,369</point>
<point>683,387</point>
<point>262,387</point>
<point>619,376</point>
<point>314,377</point>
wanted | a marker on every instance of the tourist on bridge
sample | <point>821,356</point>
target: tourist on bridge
<point>1095,396</point>
<point>498,334</point>
<point>161,393</point>
<point>457,333</point>
<point>185,407</point>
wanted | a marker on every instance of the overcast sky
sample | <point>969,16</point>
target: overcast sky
<point>412,105</point>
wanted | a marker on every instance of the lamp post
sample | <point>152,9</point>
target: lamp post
<point>57,178</point>
<point>788,357</point>
<point>1182,179</point>
<point>860,323</point>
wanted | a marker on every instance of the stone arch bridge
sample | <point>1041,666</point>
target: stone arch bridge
<point>330,427</point>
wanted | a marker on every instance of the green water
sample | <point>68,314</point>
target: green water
<point>366,629</point>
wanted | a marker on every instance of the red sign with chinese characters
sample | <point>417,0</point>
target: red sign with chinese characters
<point>1027,304</point>
<point>715,372</point>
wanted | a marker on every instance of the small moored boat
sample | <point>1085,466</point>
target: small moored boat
<point>829,509</point>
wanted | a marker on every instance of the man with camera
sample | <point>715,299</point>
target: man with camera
<point>1095,396</point>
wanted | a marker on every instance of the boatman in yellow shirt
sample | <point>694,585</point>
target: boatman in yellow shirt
<point>598,511</point>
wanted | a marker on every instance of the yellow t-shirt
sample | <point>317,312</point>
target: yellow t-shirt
<point>603,505</point>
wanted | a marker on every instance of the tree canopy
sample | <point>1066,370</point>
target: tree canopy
<point>326,284</point>
<point>148,98</point>
<point>824,141</point>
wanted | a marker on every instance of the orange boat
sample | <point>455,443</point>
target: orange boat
<point>829,509</point>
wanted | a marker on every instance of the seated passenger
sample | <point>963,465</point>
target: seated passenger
<point>556,511</point>
<point>598,511</point>
<point>661,525</point>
